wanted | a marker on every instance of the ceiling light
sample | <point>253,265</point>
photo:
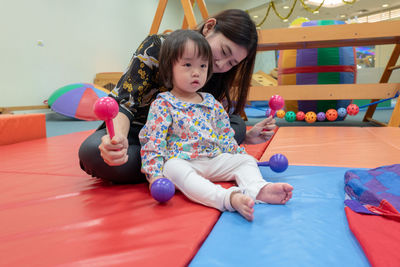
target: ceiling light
<point>316,12</point>
<point>343,16</point>
<point>385,5</point>
<point>285,7</point>
<point>255,16</point>
<point>327,3</point>
<point>285,20</point>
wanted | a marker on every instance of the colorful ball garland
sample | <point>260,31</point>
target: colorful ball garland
<point>310,117</point>
<point>300,116</point>
<point>321,116</point>
<point>331,114</point>
<point>352,109</point>
<point>341,112</point>
<point>290,116</point>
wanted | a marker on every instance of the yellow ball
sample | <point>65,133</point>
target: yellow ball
<point>310,117</point>
<point>280,113</point>
<point>297,22</point>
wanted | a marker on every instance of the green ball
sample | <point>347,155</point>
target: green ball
<point>290,116</point>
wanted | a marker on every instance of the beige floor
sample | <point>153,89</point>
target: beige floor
<point>357,147</point>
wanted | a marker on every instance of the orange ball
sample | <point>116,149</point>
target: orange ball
<point>280,113</point>
<point>331,114</point>
<point>311,117</point>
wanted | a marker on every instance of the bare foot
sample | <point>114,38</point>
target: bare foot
<point>243,204</point>
<point>275,193</point>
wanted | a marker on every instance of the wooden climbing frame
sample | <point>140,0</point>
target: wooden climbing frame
<point>189,20</point>
<point>378,33</point>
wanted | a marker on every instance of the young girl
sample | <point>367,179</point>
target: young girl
<point>233,39</point>
<point>188,138</point>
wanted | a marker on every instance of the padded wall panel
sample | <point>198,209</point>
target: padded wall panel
<point>21,127</point>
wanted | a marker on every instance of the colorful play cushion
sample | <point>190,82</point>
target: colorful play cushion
<point>77,100</point>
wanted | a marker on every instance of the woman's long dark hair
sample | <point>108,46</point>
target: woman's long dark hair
<point>233,85</point>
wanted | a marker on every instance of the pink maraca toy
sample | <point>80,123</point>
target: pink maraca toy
<point>276,102</point>
<point>106,109</point>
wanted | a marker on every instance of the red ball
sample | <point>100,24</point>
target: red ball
<point>331,115</point>
<point>300,116</point>
<point>106,108</point>
<point>352,109</point>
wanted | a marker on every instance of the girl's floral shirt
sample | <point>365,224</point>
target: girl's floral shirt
<point>175,128</point>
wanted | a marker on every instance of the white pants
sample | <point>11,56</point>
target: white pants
<point>195,178</point>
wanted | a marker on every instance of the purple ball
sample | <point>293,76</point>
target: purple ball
<point>321,116</point>
<point>268,112</point>
<point>341,112</point>
<point>162,190</point>
<point>278,163</point>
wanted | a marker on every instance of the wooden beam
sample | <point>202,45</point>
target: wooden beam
<point>386,32</point>
<point>185,24</point>
<point>384,79</point>
<point>395,119</point>
<point>203,9</point>
<point>392,61</point>
<point>379,123</point>
<point>158,16</point>
<point>324,91</point>
<point>8,110</point>
<point>189,14</point>
<point>394,67</point>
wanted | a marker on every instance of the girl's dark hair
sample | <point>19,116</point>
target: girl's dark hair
<point>233,85</point>
<point>173,48</point>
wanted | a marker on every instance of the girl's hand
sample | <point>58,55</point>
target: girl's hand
<point>114,152</point>
<point>261,132</point>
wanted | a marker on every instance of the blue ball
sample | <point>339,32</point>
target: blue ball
<point>162,190</point>
<point>278,163</point>
<point>341,112</point>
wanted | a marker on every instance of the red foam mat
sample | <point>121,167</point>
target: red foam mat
<point>52,213</point>
<point>378,236</point>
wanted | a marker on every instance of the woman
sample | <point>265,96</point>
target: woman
<point>232,37</point>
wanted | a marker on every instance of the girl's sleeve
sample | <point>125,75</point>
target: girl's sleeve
<point>225,132</point>
<point>142,72</point>
<point>153,139</point>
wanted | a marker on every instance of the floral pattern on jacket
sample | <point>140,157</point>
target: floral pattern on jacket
<point>175,128</point>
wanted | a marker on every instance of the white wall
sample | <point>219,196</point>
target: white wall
<point>81,38</point>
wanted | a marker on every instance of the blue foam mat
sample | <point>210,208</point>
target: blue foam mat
<point>310,230</point>
<point>255,112</point>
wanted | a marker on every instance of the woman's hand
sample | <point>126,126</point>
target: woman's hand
<point>261,132</point>
<point>114,152</point>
